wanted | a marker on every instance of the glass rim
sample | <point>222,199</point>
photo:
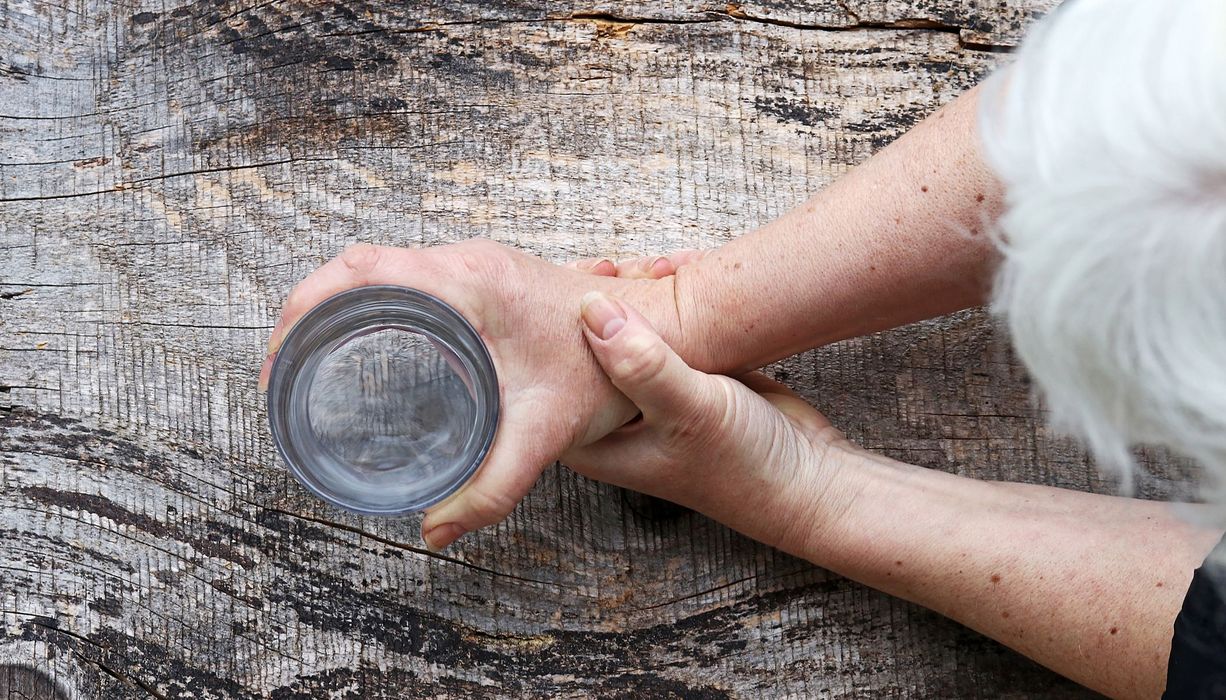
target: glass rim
<point>345,316</point>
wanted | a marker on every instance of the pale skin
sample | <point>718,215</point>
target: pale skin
<point>1087,585</point>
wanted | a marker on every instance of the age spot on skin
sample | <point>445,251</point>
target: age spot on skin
<point>979,198</point>
<point>898,563</point>
<point>1004,614</point>
<point>1159,584</point>
<point>737,266</point>
<point>1115,630</point>
<point>995,578</point>
<point>924,188</point>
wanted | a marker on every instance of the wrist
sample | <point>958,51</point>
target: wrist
<point>694,331</point>
<point>824,491</point>
<point>605,407</point>
<point>834,520</point>
<point>789,499</point>
<point>663,302</point>
<point>875,509</point>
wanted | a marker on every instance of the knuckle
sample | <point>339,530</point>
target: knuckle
<point>643,359</point>
<point>703,419</point>
<point>479,244</point>
<point>294,300</point>
<point>482,257</point>
<point>488,508</point>
<point>361,259</point>
<point>823,437</point>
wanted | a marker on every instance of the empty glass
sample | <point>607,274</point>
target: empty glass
<point>383,400</point>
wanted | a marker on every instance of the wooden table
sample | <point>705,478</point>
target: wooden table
<point>170,169</point>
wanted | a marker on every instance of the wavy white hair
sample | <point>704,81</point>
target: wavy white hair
<point>1109,134</point>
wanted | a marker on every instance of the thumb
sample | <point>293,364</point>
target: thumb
<point>638,361</point>
<point>507,475</point>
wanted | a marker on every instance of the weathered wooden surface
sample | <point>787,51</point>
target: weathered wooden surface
<point>170,169</point>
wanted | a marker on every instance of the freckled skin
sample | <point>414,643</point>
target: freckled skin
<point>1049,602</point>
<point>887,245</point>
<point>818,255</point>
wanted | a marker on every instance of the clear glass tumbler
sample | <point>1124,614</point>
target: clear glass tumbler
<point>383,400</point>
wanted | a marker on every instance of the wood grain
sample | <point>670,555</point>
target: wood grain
<point>170,169</point>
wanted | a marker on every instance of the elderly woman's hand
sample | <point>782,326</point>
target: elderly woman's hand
<point>553,394</point>
<point>749,452</point>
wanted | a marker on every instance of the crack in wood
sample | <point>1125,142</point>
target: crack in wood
<point>52,625</point>
<point>903,24</point>
<point>713,589</point>
<point>205,326</point>
<point>611,18</point>
<point>33,285</point>
<point>128,680</point>
<point>21,75</point>
<point>737,12</point>
<point>410,548</point>
<point>732,12</point>
<point>135,183</point>
<point>49,117</point>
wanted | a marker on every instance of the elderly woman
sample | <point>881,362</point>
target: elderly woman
<point>1089,180</point>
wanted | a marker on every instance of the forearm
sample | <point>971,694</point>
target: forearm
<point>898,239</point>
<point>1084,584</point>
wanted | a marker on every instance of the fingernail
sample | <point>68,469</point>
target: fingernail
<point>610,267</point>
<point>440,537</point>
<point>659,267</point>
<point>273,338</point>
<point>265,372</point>
<point>603,316</point>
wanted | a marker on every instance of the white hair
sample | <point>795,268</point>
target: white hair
<point>1109,134</point>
